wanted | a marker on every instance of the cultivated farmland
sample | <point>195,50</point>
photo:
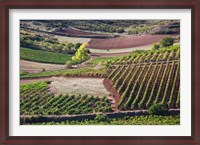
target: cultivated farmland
<point>101,81</point>
<point>124,42</point>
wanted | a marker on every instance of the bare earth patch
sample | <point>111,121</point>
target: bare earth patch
<point>83,86</point>
<point>34,67</point>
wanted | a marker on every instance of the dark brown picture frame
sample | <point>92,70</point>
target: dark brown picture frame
<point>6,5</point>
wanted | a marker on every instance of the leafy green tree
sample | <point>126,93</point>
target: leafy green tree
<point>81,54</point>
<point>167,41</point>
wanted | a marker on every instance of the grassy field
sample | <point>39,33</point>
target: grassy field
<point>44,56</point>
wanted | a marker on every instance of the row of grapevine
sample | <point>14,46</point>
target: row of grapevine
<point>167,84</point>
<point>136,100</point>
<point>130,98</point>
<point>171,99</point>
<point>128,86</point>
<point>161,82</point>
<point>141,103</point>
<point>144,85</point>
<point>173,53</point>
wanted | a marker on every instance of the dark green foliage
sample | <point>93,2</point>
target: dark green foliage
<point>158,109</point>
<point>102,117</point>
<point>23,73</point>
<point>120,30</point>
<point>166,42</point>
<point>155,46</point>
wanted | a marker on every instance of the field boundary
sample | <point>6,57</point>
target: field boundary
<point>59,118</point>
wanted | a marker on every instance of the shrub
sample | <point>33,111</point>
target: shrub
<point>68,64</point>
<point>101,117</point>
<point>48,82</point>
<point>155,46</point>
<point>120,30</point>
<point>23,73</point>
<point>167,41</point>
<point>158,109</point>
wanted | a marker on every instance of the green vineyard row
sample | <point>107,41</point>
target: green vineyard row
<point>146,84</point>
<point>35,99</point>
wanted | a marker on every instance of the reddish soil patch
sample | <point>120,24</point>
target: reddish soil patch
<point>108,85</point>
<point>125,42</point>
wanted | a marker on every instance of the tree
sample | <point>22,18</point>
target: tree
<point>81,54</point>
<point>167,41</point>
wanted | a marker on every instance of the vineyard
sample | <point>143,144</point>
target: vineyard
<point>142,85</point>
<point>44,56</point>
<point>100,72</point>
<point>36,99</point>
<point>151,56</point>
<point>124,42</point>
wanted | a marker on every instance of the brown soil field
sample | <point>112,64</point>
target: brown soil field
<point>125,42</point>
<point>34,67</point>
